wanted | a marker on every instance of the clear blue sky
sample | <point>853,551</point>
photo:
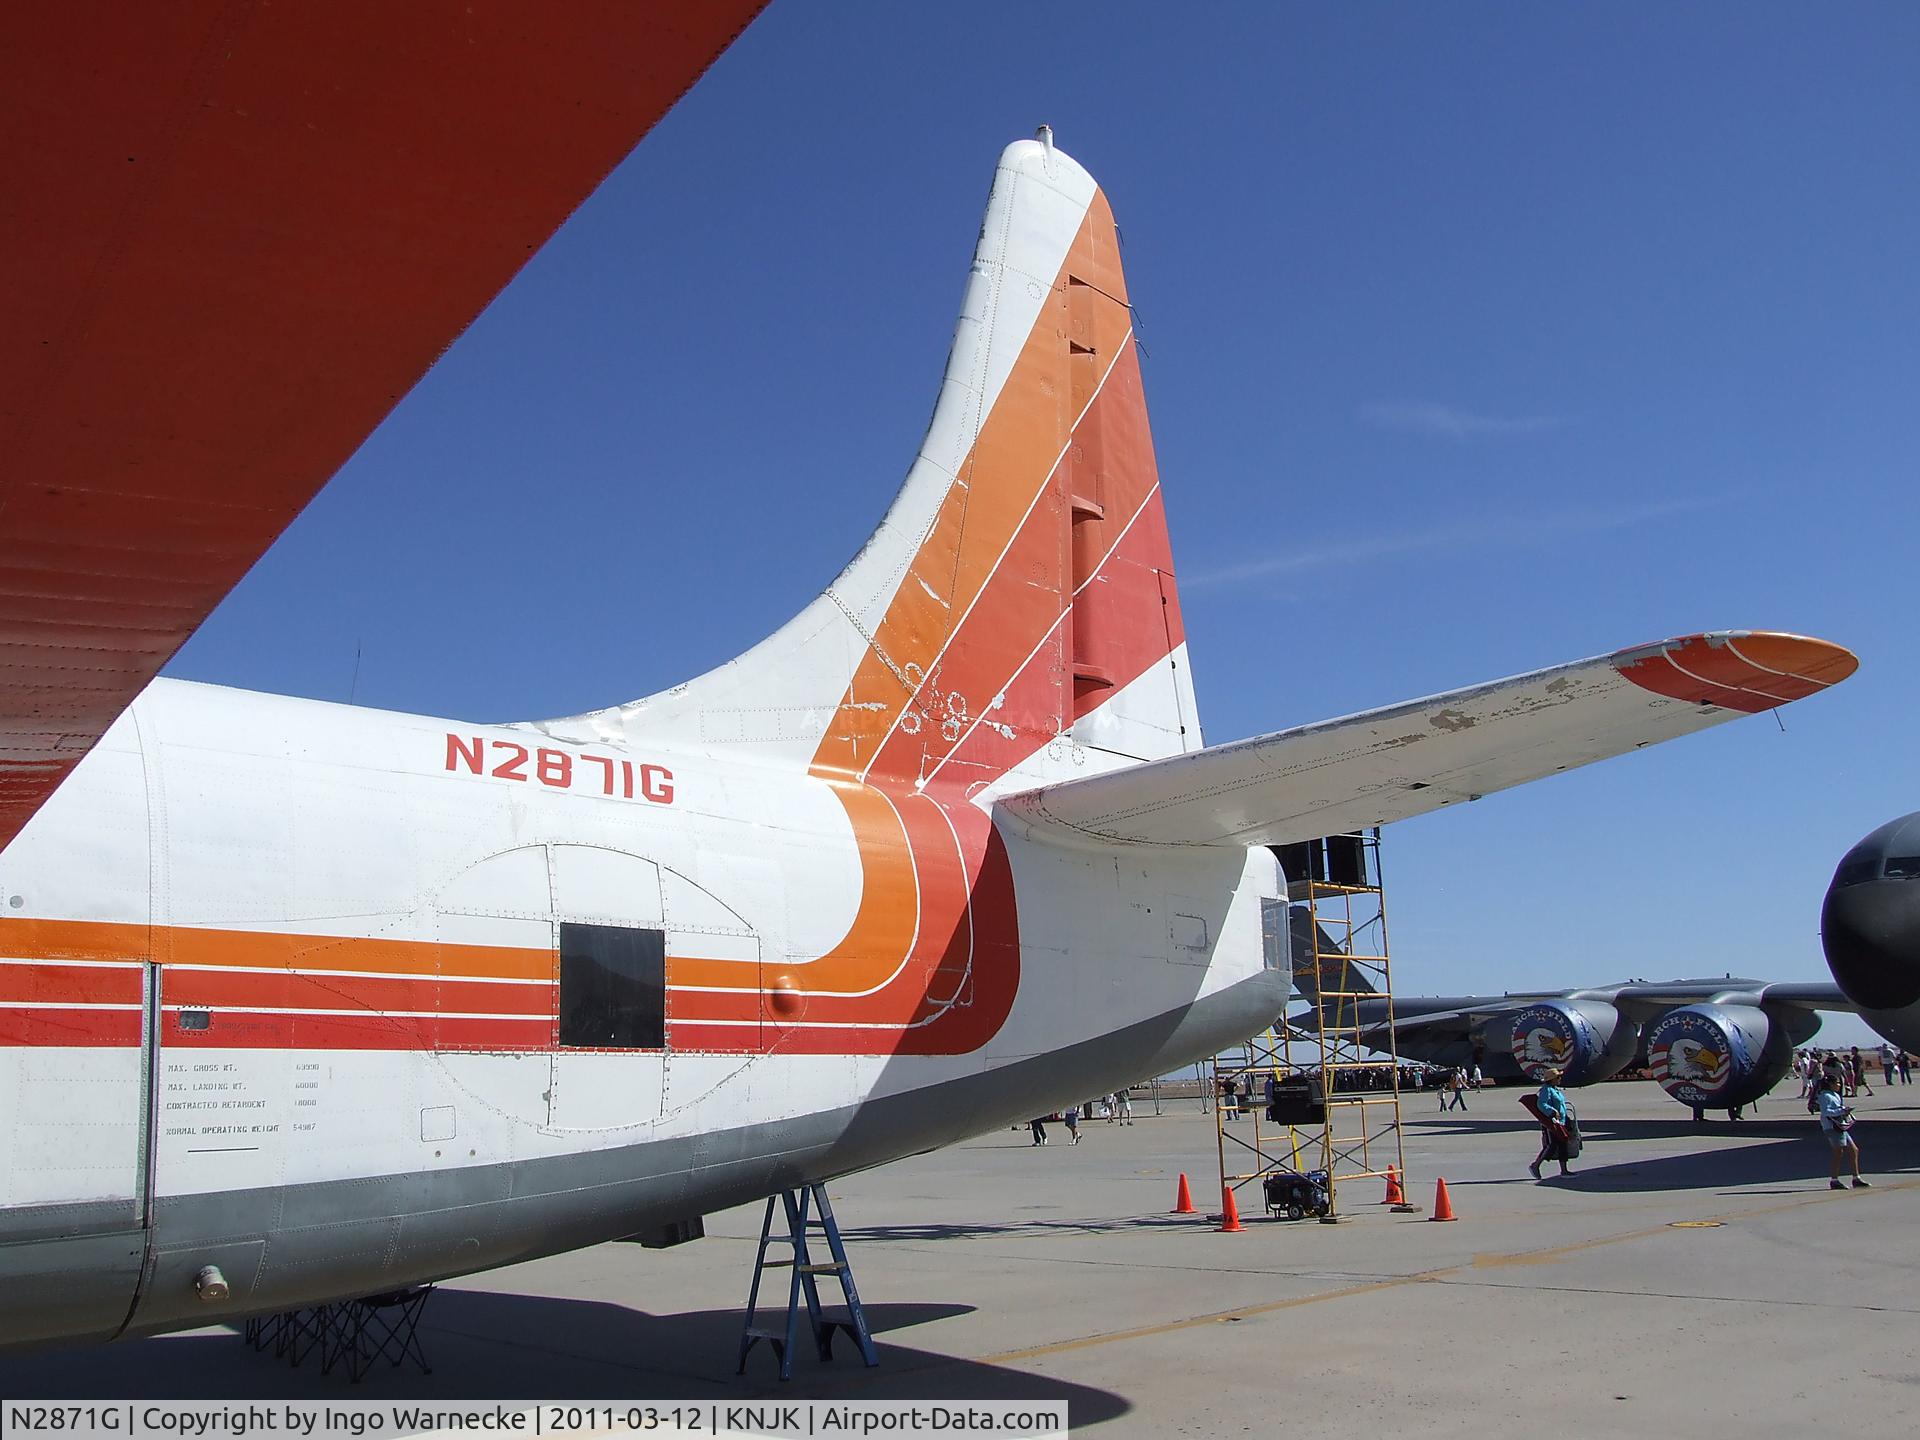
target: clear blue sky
<point>1481,337</point>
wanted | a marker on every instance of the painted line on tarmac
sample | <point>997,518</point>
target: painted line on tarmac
<point>1221,1317</point>
<point>1545,1256</point>
<point>1800,1202</point>
<point>1844,1307</point>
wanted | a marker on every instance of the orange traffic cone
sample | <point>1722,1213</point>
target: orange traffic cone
<point>1442,1202</point>
<point>1183,1198</point>
<point>1395,1195</point>
<point>1230,1218</point>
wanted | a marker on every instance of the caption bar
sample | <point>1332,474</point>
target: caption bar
<point>388,1420</point>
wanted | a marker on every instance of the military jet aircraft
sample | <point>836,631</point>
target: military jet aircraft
<point>1712,1043</point>
<point>1870,929</point>
<point>1718,1043</point>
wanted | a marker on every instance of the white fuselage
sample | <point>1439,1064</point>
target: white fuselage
<point>295,944</point>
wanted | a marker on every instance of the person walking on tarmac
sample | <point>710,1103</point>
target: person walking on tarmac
<point>1859,1072</point>
<point>1836,1125</point>
<point>1555,1115</point>
<point>1072,1117</point>
<point>1459,1089</point>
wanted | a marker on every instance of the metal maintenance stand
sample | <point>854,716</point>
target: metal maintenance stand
<point>349,1333</point>
<point>804,1284</point>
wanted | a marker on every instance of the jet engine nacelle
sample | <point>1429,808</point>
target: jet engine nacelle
<point>1587,1040</point>
<point>1719,1057</point>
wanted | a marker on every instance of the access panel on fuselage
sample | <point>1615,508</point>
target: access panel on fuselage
<point>611,1072</point>
<point>73,1146</point>
<point>75,1078</point>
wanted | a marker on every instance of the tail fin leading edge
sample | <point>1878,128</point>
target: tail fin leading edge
<point>1017,603</point>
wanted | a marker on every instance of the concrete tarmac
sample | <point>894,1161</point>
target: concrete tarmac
<point>1684,1277</point>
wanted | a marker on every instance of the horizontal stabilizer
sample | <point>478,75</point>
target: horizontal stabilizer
<point>1344,775</point>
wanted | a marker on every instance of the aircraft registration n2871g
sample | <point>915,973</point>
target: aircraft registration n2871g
<point>340,1000</point>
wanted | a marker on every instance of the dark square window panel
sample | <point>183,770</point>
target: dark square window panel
<point>613,987</point>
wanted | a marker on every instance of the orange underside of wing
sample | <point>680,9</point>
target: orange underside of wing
<point>243,231</point>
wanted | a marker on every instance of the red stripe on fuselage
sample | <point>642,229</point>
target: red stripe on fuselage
<point>77,984</point>
<point>88,1028</point>
<point>280,990</point>
<point>227,1030</point>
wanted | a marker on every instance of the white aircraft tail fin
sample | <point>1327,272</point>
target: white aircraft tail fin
<point>1020,589</point>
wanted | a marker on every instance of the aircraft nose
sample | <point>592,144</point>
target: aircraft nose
<point>1871,933</point>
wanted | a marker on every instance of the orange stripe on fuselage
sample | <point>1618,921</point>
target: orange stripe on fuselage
<point>30,939</point>
<point>253,973</point>
<point>883,926</point>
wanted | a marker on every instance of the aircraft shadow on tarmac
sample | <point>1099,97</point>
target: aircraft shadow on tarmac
<point>1014,1229</point>
<point>535,1347</point>
<point>1715,1127</point>
<point>1793,1152</point>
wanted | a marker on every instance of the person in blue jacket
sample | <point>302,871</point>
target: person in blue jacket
<point>1556,1122</point>
<point>1836,1124</point>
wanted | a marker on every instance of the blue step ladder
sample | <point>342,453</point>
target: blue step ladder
<point>805,1282</point>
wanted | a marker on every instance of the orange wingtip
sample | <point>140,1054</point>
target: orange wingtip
<point>1750,670</point>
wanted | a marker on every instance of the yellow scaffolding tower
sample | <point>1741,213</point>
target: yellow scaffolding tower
<point>1334,920</point>
<point>1239,1087</point>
